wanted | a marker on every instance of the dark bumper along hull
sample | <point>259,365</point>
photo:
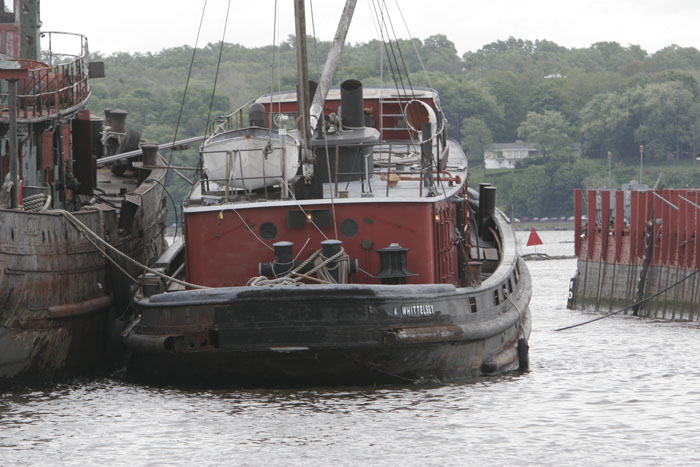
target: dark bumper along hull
<point>329,335</point>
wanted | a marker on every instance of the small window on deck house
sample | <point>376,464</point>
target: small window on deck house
<point>472,304</point>
<point>7,11</point>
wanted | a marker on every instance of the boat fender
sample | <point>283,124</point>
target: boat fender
<point>523,354</point>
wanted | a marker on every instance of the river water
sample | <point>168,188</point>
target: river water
<point>620,391</point>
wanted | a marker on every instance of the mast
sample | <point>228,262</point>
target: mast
<point>307,157</point>
<point>312,115</point>
<point>324,82</point>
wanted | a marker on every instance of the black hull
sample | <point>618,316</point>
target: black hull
<point>331,367</point>
<point>330,335</point>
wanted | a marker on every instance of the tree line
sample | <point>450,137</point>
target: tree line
<point>607,97</point>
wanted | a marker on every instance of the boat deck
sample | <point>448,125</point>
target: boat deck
<point>400,183</point>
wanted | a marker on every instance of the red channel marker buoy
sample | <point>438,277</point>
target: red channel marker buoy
<point>534,239</point>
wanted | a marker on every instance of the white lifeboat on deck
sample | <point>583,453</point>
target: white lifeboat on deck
<point>251,158</point>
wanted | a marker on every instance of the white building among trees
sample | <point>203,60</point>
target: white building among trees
<point>505,155</point>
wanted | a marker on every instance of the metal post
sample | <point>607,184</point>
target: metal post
<point>609,171</point>
<point>14,153</point>
<point>641,161</point>
<point>332,60</point>
<point>303,99</point>
<point>63,194</point>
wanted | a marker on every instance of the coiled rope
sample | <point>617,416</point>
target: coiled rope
<point>35,203</point>
<point>321,268</point>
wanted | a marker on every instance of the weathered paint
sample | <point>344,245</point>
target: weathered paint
<point>607,278</point>
<point>335,334</point>
<point>224,247</point>
<point>57,293</point>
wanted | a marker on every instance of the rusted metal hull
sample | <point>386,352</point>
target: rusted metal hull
<point>59,296</point>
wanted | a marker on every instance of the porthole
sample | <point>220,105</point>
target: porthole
<point>268,231</point>
<point>349,228</point>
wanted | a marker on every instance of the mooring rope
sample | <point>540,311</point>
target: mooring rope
<point>634,304</point>
<point>320,266</point>
<point>92,237</point>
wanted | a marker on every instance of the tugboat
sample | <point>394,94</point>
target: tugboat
<point>63,221</point>
<point>334,242</point>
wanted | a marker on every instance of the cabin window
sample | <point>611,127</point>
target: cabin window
<point>505,290</point>
<point>509,286</point>
<point>300,219</point>
<point>7,11</point>
<point>472,304</point>
<point>496,297</point>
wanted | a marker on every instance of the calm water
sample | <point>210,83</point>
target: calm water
<point>619,391</point>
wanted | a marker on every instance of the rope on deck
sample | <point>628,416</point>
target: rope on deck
<point>95,239</point>
<point>321,268</point>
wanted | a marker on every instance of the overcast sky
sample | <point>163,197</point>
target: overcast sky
<point>152,25</point>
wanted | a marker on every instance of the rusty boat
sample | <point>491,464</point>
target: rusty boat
<point>64,222</point>
<point>365,259</point>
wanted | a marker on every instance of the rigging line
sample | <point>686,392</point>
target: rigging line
<point>308,216</point>
<point>171,201</point>
<point>184,94</point>
<point>308,239</point>
<point>393,54</point>
<point>218,66</point>
<point>420,60</point>
<point>313,31</point>
<point>279,66</point>
<point>374,22</point>
<point>382,26</point>
<point>85,230</point>
<point>398,47</point>
<point>628,307</point>
<point>248,228</point>
<point>381,30</point>
<point>379,12</point>
<point>272,81</point>
<point>330,180</point>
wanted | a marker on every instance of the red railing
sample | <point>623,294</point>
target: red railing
<point>51,89</point>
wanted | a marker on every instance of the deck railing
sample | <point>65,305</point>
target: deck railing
<point>57,86</point>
